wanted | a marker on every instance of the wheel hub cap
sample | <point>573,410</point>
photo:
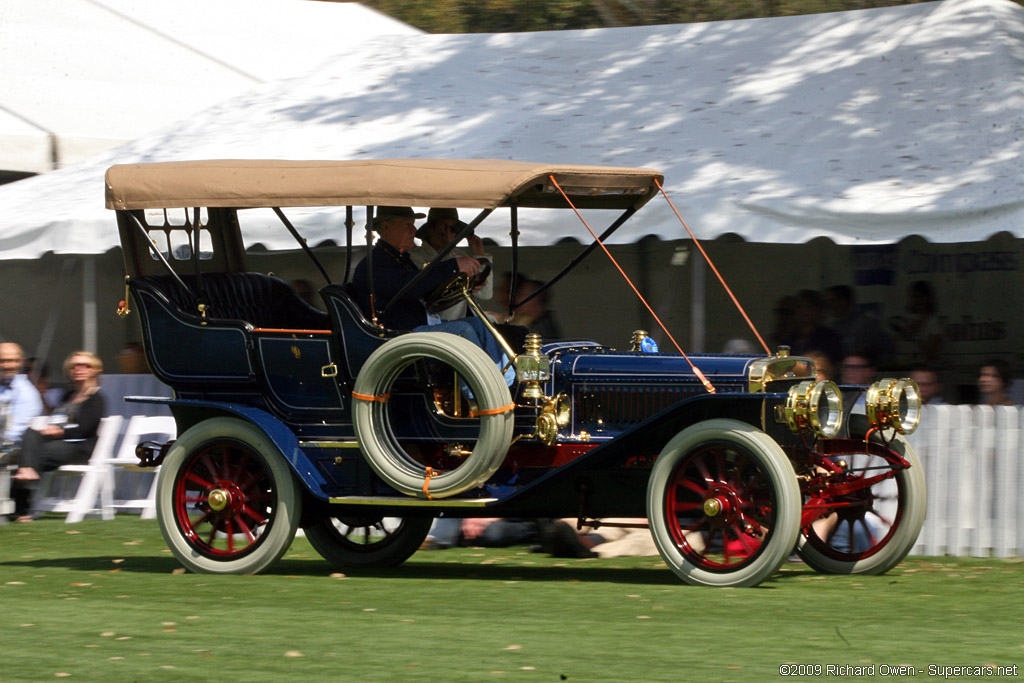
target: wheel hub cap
<point>712,506</point>
<point>218,499</point>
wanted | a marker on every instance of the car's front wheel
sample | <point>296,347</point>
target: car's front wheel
<point>723,504</point>
<point>872,527</point>
<point>227,502</point>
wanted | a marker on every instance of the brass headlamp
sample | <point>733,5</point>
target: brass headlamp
<point>816,407</point>
<point>533,368</point>
<point>894,404</point>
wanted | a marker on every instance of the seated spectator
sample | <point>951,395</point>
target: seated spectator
<point>809,332</point>
<point>535,314</point>
<point>921,329</point>
<point>856,327</point>
<point>19,399</point>
<point>858,368</point>
<point>68,435</point>
<point>928,384</point>
<point>994,382</point>
<point>822,365</point>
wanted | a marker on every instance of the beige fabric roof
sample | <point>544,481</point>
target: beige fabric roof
<point>461,183</point>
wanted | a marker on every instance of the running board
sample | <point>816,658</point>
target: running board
<point>402,501</point>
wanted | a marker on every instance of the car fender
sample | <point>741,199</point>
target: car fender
<point>188,412</point>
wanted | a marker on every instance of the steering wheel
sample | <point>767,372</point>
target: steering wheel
<point>450,292</point>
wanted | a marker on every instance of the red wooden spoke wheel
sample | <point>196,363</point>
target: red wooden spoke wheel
<point>720,507</point>
<point>226,501</point>
<point>869,530</point>
<point>723,504</point>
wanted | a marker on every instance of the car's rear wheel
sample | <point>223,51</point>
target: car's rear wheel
<point>354,541</point>
<point>226,501</point>
<point>870,530</point>
<point>372,416</point>
<point>723,504</point>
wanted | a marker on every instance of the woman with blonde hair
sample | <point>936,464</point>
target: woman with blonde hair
<point>68,435</point>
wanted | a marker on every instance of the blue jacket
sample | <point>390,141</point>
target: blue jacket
<point>391,271</point>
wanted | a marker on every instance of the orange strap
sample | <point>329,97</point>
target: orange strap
<point>696,371</point>
<point>719,275</point>
<point>493,411</point>
<point>369,397</point>
<point>426,483</point>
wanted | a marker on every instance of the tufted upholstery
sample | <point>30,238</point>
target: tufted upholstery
<point>261,300</point>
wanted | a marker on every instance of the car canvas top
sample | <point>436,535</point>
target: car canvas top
<point>468,183</point>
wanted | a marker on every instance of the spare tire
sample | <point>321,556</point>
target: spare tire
<point>371,417</point>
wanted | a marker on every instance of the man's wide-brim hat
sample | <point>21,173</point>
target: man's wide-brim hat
<point>439,214</point>
<point>388,212</point>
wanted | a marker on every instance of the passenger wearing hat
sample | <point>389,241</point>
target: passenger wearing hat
<point>393,269</point>
<point>442,225</point>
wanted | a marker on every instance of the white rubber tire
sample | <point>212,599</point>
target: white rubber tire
<point>772,461</point>
<point>372,422</point>
<point>912,506</point>
<point>276,536</point>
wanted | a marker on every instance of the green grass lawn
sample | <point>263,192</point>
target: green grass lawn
<point>105,601</point>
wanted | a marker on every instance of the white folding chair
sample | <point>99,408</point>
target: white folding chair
<point>57,492</point>
<point>126,485</point>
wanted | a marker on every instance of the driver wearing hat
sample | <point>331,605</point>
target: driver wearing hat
<point>393,268</point>
<point>442,225</point>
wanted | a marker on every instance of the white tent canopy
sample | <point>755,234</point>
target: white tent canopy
<point>83,76</point>
<point>862,127</point>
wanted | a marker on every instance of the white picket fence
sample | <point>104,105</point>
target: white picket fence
<point>973,458</point>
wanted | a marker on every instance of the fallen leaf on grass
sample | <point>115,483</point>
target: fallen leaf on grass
<point>179,570</point>
<point>514,647</point>
<point>293,653</point>
<point>62,674</point>
<point>118,560</point>
<point>107,634</point>
<point>338,575</point>
<point>15,583</point>
<point>72,533</point>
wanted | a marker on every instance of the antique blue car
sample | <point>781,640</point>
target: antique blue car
<point>293,416</point>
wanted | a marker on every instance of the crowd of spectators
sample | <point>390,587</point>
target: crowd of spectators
<point>849,344</point>
<point>44,428</point>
